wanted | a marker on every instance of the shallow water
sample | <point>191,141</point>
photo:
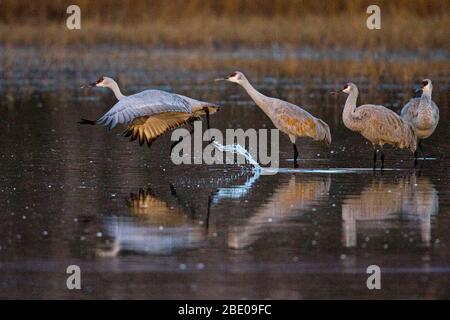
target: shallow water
<point>141,227</point>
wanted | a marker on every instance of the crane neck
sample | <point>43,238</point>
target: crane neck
<point>349,109</point>
<point>115,88</point>
<point>257,96</point>
<point>425,99</point>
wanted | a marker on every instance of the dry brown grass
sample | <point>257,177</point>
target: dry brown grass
<point>314,31</point>
<point>133,29</point>
<point>127,12</point>
<point>414,24</point>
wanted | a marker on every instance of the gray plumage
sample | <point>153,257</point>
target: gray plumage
<point>150,113</point>
<point>422,113</point>
<point>287,117</point>
<point>146,103</point>
<point>377,124</point>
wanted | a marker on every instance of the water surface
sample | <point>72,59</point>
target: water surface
<point>141,227</point>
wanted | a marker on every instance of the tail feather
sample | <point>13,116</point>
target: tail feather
<point>212,108</point>
<point>86,121</point>
<point>410,138</point>
<point>324,131</point>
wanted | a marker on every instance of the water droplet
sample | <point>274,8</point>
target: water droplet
<point>200,266</point>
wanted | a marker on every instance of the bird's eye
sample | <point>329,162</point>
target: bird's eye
<point>424,83</point>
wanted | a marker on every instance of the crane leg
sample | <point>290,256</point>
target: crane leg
<point>183,203</point>
<point>208,212</point>
<point>295,155</point>
<point>180,139</point>
<point>207,123</point>
<point>207,116</point>
<point>374,158</point>
<point>382,159</point>
<point>421,149</point>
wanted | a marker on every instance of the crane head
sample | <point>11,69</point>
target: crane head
<point>236,77</point>
<point>349,87</point>
<point>101,82</point>
<point>426,85</point>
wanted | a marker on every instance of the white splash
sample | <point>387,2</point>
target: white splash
<point>238,149</point>
<point>240,191</point>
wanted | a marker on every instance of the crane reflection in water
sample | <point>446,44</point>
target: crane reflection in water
<point>156,226</point>
<point>385,202</point>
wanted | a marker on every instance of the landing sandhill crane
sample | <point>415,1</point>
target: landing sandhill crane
<point>423,114</point>
<point>287,117</point>
<point>377,124</point>
<point>150,113</point>
<point>413,198</point>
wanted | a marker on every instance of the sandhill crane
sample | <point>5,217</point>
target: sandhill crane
<point>150,113</point>
<point>377,124</point>
<point>423,114</point>
<point>287,117</point>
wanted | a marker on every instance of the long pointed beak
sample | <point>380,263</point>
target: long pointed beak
<point>334,92</point>
<point>88,85</point>
<point>221,79</point>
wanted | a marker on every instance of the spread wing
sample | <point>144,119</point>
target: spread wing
<point>198,106</point>
<point>150,128</point>
<point>144,104</point>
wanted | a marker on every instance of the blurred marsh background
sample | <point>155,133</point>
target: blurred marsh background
<point>318,40</point>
